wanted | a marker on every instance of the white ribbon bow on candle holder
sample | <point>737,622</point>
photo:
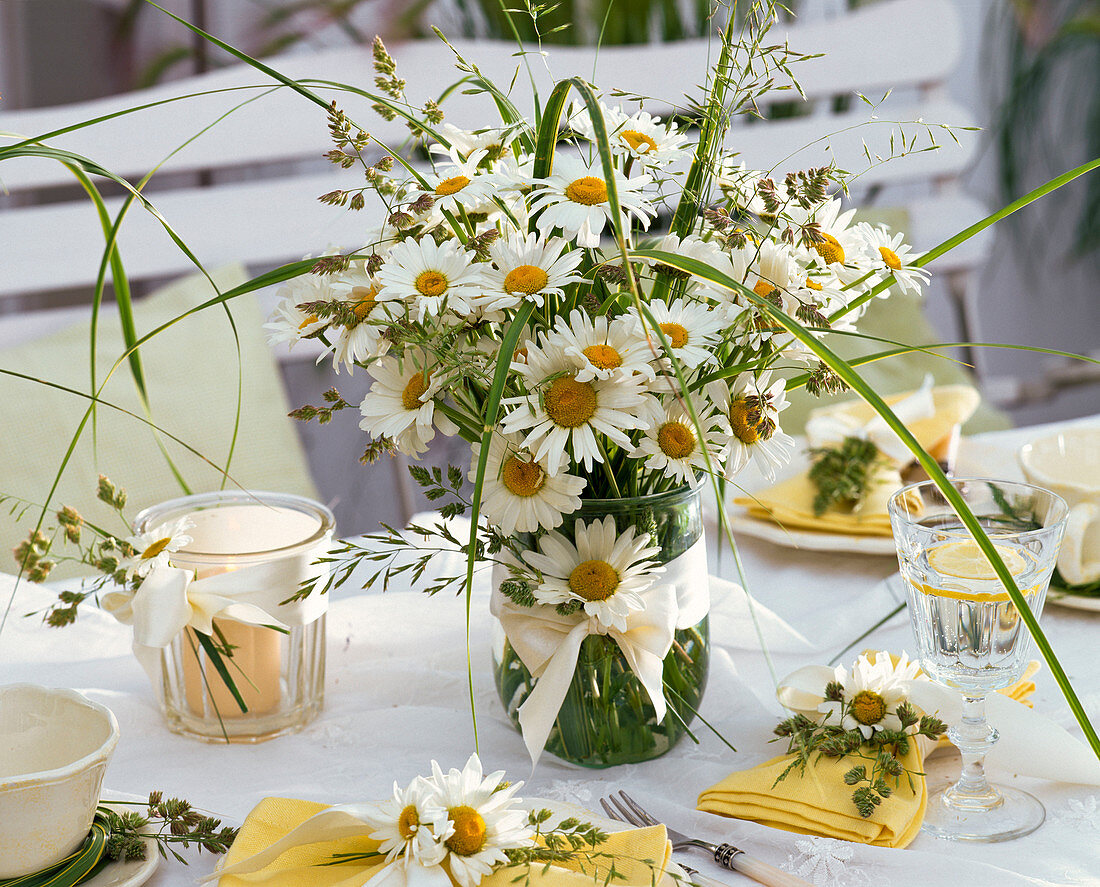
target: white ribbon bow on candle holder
<point>549,643</point>
<point>170,599</point>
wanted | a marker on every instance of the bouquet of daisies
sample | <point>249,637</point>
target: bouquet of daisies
<point>596,304</point>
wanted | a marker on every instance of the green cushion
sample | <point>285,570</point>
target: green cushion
<point>192,375</point>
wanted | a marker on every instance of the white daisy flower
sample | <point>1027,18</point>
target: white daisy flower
<point>491,142</point>
<point>484,819</point>
<point>896,256</point>
<point>432,277</point>
<point>841,247</point>
<point>741,186</point>
<point>560,412</point>
<point>154,548</point>
<point>604,571</point>
<point>691,328</point>
<point>290,323</point>
<point>364,339</point>
<point>603,350</point>
<point>400,404</point>
<point>749,414</point>
<point>412,825</point>
<point>519,495</point>
<point>638,136</point>
<point>671,444</point>
<point>527,268</point>
<point>872,694</point>
<point>574,198</point>
<point>460,185</point>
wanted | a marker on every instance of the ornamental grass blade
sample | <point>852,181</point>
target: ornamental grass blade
<point>492,410</point>
<point>845,371</point>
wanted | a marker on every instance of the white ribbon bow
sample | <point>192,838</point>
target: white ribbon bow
<point>829,428</point>
<point>170,600</point>
<point>548,643</point>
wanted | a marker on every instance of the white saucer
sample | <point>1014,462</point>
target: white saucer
<point>123,873</point>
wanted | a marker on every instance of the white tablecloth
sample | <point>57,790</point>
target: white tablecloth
<point>397,698</point>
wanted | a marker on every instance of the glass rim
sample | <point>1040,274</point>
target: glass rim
<point>902,515</point>
<point>676,494</point>
<point>175,508</point>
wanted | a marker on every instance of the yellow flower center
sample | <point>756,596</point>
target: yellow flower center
<point>451,186</point>
<point>569,403</point>
<point>676,440</point>
<point>408,821</point>
<point>764,288</point>
<point>830,249</point>
<point>313,318</point>
<point>414,390</point>
<point>813,284</point>
<point>156,548</point>
<point>675,333</point>
<point>431,283</point>
<point>638,141</point>
<point>748,421</point>
<point>365,298</point>
<point>589,190</point>
<point>890,258</point>
<point>868,707</point>
<point>593,580</point>
<point>603,357</point>
<point>526,279</point>
<point>521,477</point>
<point>469,833</point>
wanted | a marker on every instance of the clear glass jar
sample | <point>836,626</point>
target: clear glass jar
<point>607,717</point>
<point>280,676</point>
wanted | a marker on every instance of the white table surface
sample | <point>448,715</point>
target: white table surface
<point>397,698</point>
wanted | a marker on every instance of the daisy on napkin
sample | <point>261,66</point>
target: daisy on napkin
<point>857,781</point>
<point>455,829</point>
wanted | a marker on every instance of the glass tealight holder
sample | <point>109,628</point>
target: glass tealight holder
<point>271,540</point>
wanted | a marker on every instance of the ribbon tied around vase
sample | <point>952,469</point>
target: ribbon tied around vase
<point>170,600</point>
<point>549,643</point>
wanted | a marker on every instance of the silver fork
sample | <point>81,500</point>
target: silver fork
<point>625,809</point>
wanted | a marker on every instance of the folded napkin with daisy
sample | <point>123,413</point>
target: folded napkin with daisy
<point>456,829</point>
<point>851,439</point>
<point>830,797</point>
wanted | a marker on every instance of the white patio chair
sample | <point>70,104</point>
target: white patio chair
<point>245,190</point>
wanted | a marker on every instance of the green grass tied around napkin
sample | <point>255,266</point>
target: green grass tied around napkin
<point>840,473</point>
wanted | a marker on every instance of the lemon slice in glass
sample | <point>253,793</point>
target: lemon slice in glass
<point>964,561</point>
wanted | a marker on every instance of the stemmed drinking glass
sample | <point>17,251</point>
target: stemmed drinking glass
<point>969,633</point>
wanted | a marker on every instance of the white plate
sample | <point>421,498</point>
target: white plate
<point>1073,601</point>
<point>810,540</point>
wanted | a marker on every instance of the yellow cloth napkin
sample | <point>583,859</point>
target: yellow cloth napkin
<point>790,503</point>
<point>819,803</point>
<point>273,818</point>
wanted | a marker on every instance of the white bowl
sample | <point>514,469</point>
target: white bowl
<point>54,749</point>
<point>1067,463</point>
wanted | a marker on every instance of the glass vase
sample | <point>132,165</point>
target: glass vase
<point>607,717</point>
<point>279,675</point>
